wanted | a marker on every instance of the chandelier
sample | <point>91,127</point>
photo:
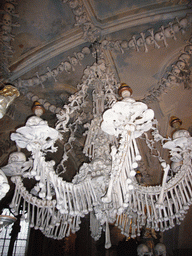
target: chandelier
<point>107,186</point>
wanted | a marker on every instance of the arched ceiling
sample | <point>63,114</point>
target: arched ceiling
<point>50,49</point>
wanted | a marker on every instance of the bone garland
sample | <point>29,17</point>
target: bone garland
<point>6,35</point>
<point>171,78</point>
<point>85,51</point>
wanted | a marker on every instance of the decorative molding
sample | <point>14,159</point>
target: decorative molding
<point>126,20</point>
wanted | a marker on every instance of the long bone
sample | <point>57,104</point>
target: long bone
<point>92,191</point>
<point>174,201</point>
<point>107,236</point>
<point>44,220</point>
<point>51,213</point>
<point>24,204</point>
<point>147,207</point>
<point>84,210</point>
<point>139,212</point>
<point>181,210</point>
<point>143,211</point>
<point>123,188</point>
<point>166,168</point>
<point>153,208</point>
<point>137,154</point>
<point>87,195</point>
<point>77,201</point>
<point>119,193</point>
<point>17,203</point>
<point>133,154</point>
<point>164,37</point>
<point>28,207</point>
<point>127,228</point>
<point>189,188</point>
<point>71,210</point>
<point>165,213</point>
<point>64,207</point>
<point>169,205</point>
<point>55,232</point>
<point>171,216</point>
<point>33,201</point>
<point>56,183</point>
<point>144,42</point>
<point>185,205</point>
<point>39,209</point>
<point>185,192</point>
<point>49,196</point>
<point>43,215</point>
<point>64,230</point>
<point>134,202</point>
<point>74,200</point>
<point>138,226</point>
<point>69,228</point>
<point>80,201</point>
<point>153,37</point>
<point>16,194</point>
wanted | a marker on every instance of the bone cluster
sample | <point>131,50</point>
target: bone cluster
<point>7,24</point>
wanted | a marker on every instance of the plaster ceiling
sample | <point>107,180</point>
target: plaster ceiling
<point>50,33</point>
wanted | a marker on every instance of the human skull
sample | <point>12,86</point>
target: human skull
<point>73,61</point>
<point>160,249</point>
<point>124,44</point>
<point>73,4</point>
<point>6,29</point>
<point>181,133</point>
<point>117,45</point>
<point>169,32</point>
<point>159,36</point>
<point>6,38</point>
<point>79,10</point>
<point>55,72</point>
<point>184,57</point>
<point>80,55</point>
<point>16,157</point>
<point>81,19</point>
<point>175,166</point>
<point>104,44</point>
<point>176,27</point>
<point>7,19</point>
<point>181,65</point>
<point>149,40</point>
<point>140,42</point>
<point>172,79</point>
<point>183,23</point>
<point>142,250</point>
<point>86,50</point>
<point>188,49</point>
<point>9,8</point>
<point>175,71</point>
<point>61,67</point>
<point>68,66</point>
<point>131,44</point>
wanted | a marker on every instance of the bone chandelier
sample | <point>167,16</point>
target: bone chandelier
<point>106,187</point>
